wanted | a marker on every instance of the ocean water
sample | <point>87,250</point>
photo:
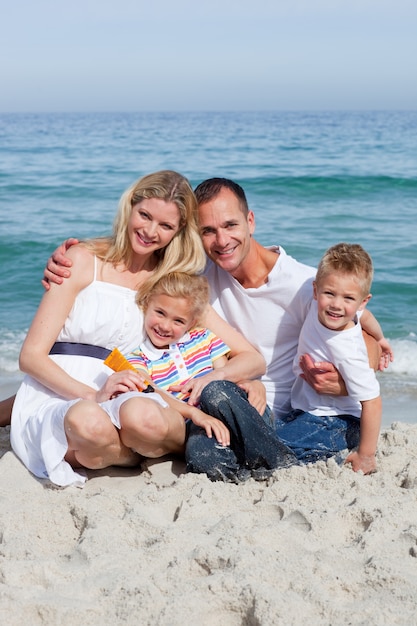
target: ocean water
<point>312,179</point>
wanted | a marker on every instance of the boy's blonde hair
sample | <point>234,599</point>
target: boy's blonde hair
<point>191,287</point>
<point>347,258</point>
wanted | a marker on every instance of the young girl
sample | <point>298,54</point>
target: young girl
<point>177,350</point>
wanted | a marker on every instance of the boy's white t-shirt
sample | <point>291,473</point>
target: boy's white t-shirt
<point>270,317</point>
<point>347,351</point>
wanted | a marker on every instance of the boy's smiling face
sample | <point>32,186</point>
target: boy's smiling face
<point>339,297</point>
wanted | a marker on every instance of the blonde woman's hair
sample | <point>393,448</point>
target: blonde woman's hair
<point>347,258</point>
<point>193,288</point>
<point>185,251</point>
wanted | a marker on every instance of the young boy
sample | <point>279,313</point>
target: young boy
<point>176,349</point>
<point>319,426</point>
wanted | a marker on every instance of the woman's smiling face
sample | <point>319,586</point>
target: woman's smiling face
<point>152,225</point>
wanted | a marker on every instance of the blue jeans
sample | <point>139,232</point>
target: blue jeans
<point>254,448</point>
<point>313,437</point>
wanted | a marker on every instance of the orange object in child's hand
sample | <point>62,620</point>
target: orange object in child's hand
<point>117,362</point>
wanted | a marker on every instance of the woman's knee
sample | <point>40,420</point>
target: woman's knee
<point>87,421</point>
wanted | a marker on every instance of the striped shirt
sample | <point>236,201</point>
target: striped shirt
<point>192,357</point>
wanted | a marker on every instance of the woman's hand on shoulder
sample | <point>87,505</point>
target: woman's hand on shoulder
<point>58,264</point>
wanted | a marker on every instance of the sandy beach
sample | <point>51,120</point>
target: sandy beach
<point>315,544</point>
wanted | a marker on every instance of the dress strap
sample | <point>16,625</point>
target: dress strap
<point>95,268</point>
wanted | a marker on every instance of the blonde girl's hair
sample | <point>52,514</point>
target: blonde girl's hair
<point>185,251</point>
<point>347,258</point>
<point>193,288</point>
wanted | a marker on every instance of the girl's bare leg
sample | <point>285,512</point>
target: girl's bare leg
<point>6,411</point>
<point>93,441</point>
<point>150,429</point>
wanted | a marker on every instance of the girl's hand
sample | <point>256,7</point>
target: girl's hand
<point>120,382</point>
<point>194,386</point>
<point>212,426</point>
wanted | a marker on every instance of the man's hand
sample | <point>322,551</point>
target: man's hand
<point>322,376</point>
<point>256,394</point>
<point>57,265</point>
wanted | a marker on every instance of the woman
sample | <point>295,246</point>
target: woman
<point>69,413</point>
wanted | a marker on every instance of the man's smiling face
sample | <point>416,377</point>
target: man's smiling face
<point>225,230</point>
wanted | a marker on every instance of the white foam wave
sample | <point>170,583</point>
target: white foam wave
<point>405,357</point>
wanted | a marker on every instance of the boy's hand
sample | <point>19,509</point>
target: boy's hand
<point>360,462</point>
<point>57,265</point>
<point>387,355</point>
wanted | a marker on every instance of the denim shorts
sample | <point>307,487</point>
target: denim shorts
<point>313,437</point>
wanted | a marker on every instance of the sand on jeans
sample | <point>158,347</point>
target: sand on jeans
<point>317,544</point>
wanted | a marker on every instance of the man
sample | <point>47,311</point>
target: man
<point>263,292</point>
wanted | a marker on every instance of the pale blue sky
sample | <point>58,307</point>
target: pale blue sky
<point>172,55</point>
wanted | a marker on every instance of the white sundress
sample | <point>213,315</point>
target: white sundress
<point>104,315</point>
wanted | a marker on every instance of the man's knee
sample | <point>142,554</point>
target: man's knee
<point>216,392</point>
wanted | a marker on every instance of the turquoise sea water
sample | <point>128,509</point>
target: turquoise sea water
<point>312,179</point>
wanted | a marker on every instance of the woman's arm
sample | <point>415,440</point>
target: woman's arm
<point>46,325</point>
<point>6,407</point>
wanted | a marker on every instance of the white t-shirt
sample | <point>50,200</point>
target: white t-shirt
<point>269,316</point>
<point>347,351</point>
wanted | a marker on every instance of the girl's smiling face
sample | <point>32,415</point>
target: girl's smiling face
<point>167,319</point>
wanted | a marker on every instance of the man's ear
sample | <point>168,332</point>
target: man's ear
<point>365,302</point>
<point>251,222</point>
<point>314,290</point>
